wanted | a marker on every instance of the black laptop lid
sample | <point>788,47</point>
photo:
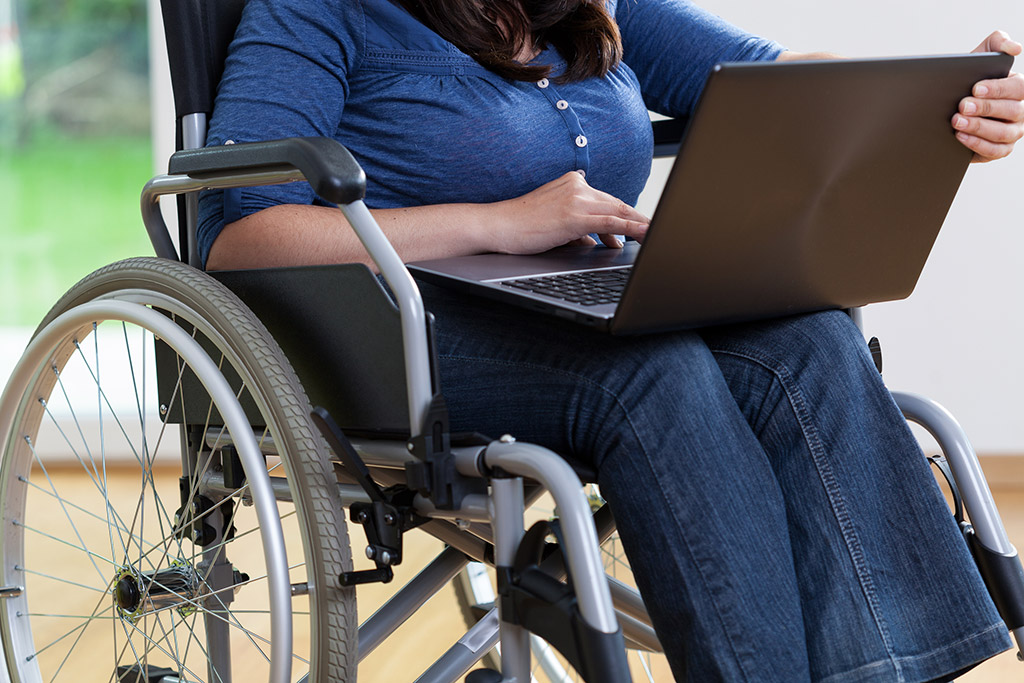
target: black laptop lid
<point>836,202</point>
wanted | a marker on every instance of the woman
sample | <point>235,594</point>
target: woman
<point>769,494</point>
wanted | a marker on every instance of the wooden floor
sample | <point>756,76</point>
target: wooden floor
<point>435,628</point>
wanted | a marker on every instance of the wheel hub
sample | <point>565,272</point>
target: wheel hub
<point>137,591</point>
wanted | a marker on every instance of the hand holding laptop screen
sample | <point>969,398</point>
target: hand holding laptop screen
<point>991,120</point>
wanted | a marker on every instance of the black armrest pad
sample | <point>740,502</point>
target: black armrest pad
<point>668,134</point>
<point>330,168</point>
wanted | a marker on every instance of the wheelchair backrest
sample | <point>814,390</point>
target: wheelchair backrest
<point>337,326</point>
<point>198,34</point>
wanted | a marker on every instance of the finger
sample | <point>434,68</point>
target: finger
<point>1004,110</point>
<point>999,41</point>
<point>611,241</point>
<point>1009,88</point>
<point>989,129</point>
<point>601,205</point>
<point>585,241</point>
<point>614,225</point>
<point>984,150</point>
<point>613,206</point>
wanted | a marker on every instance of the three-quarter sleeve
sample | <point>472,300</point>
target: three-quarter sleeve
<point>671,45</point>
<point>285,76</point>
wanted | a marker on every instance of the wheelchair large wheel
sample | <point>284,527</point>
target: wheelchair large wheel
<point>131,548</point>
<point>475,594</point>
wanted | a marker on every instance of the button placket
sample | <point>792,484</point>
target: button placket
<point>578,137</point>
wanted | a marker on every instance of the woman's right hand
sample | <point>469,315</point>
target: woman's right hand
<point>563,211</point>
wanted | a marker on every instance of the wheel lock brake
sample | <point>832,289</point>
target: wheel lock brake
<point>385,518</point>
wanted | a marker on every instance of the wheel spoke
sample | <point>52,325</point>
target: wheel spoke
<point>78,426</point>
<point>88,552</point>
<point>84,624</point>
<point>104,400</point>
<point>57,578</point>
<point>60,500</point>
<point>67,616</point>
<point>218,614</point>
<point>82,510</point>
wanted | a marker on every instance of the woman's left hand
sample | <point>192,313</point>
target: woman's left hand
<point>991,120</point>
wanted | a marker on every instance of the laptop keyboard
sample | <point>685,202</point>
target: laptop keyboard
<point>587,288</point>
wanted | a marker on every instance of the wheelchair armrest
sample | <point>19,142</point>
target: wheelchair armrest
<point>327,165</point>
<point>668,134</point>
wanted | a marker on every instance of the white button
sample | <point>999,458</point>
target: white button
<point>542,83</point>
<point>581,141</point>
<point>581,172</point>
<point>562,104</point>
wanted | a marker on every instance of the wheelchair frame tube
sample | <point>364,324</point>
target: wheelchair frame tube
<point>161,185</point>
<point>410,307</point>
<point>410,598</point>
<point>193,136</point>
<point>252,460</point>
<point>970,479</point>
<point>581,547</point>
<point>466,652</point>
<point>507,506</point>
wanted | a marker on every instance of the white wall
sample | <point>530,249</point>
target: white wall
<point>959,338</point>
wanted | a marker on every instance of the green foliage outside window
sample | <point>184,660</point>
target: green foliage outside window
<point>75,149</point>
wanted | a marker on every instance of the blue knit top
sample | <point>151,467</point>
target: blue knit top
<point>429,125</point>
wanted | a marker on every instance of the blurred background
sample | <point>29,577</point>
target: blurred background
<point>74,144</point>
<point>86,119</point>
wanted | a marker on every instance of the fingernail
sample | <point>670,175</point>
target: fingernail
<point>962,137</point>
<point>970,108</point>
<point>618,244</point>
<point>981,90</point>
<point>960,122</point>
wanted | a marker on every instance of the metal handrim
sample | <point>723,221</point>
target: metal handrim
<point>44,359</point>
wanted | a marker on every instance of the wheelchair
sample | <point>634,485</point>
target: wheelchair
<point>211,430</point>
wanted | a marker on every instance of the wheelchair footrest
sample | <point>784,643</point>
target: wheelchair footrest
<point>543,605</point>
<point>1004,577</point>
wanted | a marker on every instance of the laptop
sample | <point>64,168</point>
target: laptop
<point>798,186</point>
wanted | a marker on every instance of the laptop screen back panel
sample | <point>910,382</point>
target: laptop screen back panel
<point>855,168</point>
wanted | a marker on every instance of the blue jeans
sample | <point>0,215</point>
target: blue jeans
<point>780,518</point>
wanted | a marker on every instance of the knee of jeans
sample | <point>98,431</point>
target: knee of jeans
<point>653,390</point>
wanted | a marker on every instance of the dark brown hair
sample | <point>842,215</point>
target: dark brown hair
<point>493,32</point>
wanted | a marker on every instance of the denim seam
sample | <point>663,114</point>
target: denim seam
<point>832,489</point>
<point>668,502</point>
